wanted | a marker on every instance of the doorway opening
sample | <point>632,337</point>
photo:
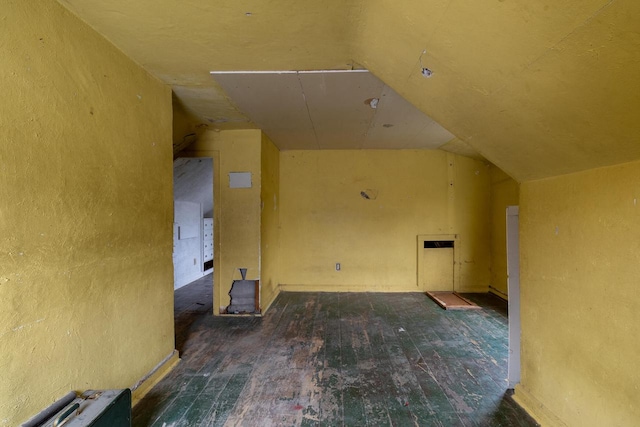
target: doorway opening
<point>193,219</point>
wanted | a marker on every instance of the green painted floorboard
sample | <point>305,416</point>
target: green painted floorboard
<point>336,359</point>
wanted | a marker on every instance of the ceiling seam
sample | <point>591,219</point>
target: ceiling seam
<point>570,33</point>
<point>428,40</point>
<point>372,123</point>
<point>552,47</point>
<point>315,135</point>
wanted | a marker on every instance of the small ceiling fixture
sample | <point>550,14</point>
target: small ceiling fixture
<point>426,73</point>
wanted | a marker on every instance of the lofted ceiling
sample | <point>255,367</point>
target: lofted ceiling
<point>540,88</point>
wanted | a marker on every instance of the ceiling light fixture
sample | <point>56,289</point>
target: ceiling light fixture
<point>426,73</point>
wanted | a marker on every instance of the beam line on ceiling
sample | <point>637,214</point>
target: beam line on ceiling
<point>288,72</point>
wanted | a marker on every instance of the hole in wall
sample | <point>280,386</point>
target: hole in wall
<point>369,194</point>
<point>432,244</point>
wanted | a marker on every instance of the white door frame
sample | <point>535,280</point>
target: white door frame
<point>513,284</point>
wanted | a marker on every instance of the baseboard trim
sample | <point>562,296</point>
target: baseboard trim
<point>498,293</point>
<point>536,409</point>
<point>142,387</point>
<point>272,297</point>
<point>347,288</point>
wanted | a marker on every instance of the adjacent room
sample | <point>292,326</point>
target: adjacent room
<point>235,210</point>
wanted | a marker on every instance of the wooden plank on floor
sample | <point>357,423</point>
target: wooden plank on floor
<point>352,385</point>
<point>440,410</point>
<point>413,404</point>
<point>452,301</point>
<point>331,384</point>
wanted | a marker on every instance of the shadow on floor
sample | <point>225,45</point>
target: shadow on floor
<point>191,302</point>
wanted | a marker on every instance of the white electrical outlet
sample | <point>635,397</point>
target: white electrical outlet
<point>337,266</point>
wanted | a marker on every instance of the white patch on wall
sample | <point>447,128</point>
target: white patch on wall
<point>239,179</point>
<point>187,217</point>
<point>187,250</point>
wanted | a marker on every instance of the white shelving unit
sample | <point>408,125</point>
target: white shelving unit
<point>207,245</point>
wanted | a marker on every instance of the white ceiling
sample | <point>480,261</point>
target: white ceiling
<point>330,110</point>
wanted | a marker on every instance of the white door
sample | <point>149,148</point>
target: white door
<point>513,285</point>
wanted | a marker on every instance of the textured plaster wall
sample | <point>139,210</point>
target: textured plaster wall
<point>237,215</point>
<point>504,192</point>
<point>515,80</point>
<point>580,263</point>
<point>270,222</point>
<point>185,129</point>
<point>86,291</point>
<point>324,218</point>
<point>471,220</point>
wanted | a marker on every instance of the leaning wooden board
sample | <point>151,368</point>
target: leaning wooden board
<point>451,301</point>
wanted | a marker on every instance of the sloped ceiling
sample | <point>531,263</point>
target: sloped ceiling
<point>349,109</point>
<point>540,88</point>
<point>190,178</point>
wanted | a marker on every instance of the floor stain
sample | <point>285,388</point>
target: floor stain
<point>336,359</point>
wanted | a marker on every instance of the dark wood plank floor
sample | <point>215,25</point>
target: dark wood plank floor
<point>348,359</point>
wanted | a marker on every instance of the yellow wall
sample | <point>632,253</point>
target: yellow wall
<point>185,129</point>
<point>237,215</point>
<point>325,220</point>
<point>580,263</point>
<point>270,222</point>
<point>471,220</point>
<point>504,192</point>
<point>86,295</point>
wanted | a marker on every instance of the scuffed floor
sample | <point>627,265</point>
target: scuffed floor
<point>348,359</point>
